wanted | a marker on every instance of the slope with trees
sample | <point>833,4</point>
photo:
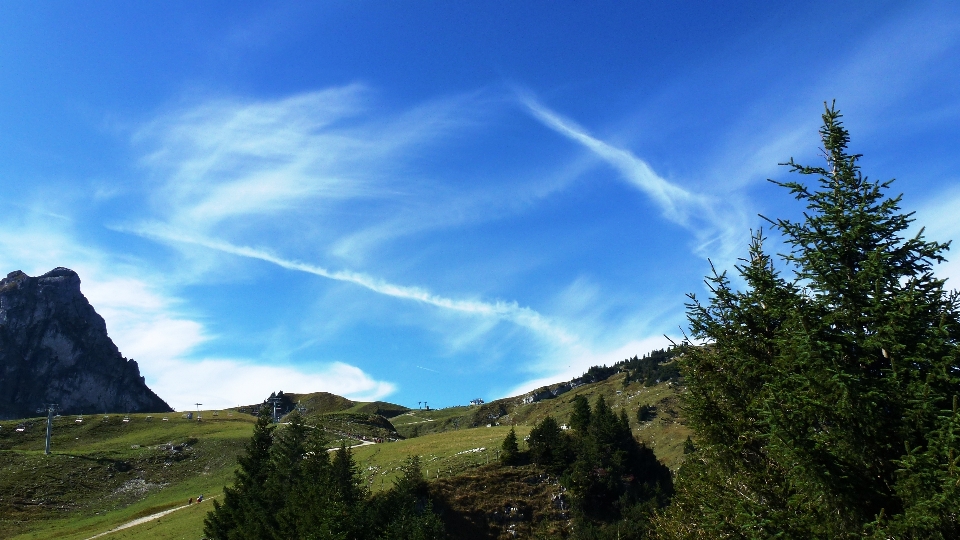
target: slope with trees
<point>615,482</point>
<point>287,486</point>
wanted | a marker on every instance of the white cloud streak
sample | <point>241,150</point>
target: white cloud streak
<point>676,202</point>
<point>711,221</point>
<point>235,175</point>
<point>507,311</point>
<point>229,159</point>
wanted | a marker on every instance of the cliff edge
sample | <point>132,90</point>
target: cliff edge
<point>54,348</point>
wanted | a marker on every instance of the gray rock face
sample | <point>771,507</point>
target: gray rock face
<point>54,348</point>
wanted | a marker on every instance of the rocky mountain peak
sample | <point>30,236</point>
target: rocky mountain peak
<point>54,348</point>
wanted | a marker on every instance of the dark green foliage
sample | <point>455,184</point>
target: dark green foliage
<point>510,450</point>
<point>580,417</point>
<point>246,505</point>
<point>549,447</point>
<point>345,477</point>
<point>612,471</point>
<point>314,509</point>
<point>616,483</point>
<point>688,446</point>
<point>655,367</point>
<point>823,404</point>
<point>599,373</point>
<point>646,413</point>
<point>405,512</point>
<point>288,487</point>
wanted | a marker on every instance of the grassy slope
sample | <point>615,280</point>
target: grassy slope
<point>185,524</point>
<point>441,441</point>
<point>341,416</point>
<point>486,501</point>
<point>327,403</point>
<point>102,474</point>
<point>442,454</point>
<point>92,481</point>
<point>665,434</point>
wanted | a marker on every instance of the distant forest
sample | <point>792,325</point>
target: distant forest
<point>654,368</point>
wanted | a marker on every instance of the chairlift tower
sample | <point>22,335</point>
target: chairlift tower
<point>274,401</point>
<point>50,408</point>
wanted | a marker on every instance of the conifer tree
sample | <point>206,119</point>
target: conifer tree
<point>345,477</point>
<point>580,417</point>
<point>245,510</point>
<point>284,485</point>
<point>646,413</point>
<point>311,510</point>
<point>688,446</point>
<point>288,487</point>
<point>510,450</point>
<point>549,447</point>
<point>823,404</point>
<point>405,512</point>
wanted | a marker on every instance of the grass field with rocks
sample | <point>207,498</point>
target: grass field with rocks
<point>104,472</point>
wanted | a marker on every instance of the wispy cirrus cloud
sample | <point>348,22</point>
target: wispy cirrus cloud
<point>564,354</point>
<point>718,226</point>
<point>234,174</point>
<point>235,164</point>
<point>508,311</point>
<point>318,176</point>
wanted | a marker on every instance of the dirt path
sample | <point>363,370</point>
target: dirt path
<point>142,520</point>
<point>362,443</point>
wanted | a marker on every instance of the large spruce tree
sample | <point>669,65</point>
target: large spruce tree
<point>246,512</point>
<point>825,403</point>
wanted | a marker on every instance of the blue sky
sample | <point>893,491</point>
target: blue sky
<point>436,201</point>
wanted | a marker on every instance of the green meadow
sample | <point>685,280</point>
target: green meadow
<point>104,472</point>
